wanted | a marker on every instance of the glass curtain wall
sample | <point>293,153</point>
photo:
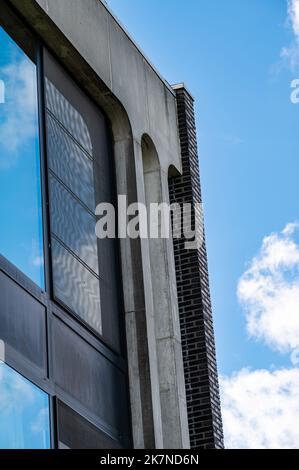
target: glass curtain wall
<point>24,413</point>
<point>21,239</point>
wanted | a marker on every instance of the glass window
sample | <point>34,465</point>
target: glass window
<point>21,240</point>
<point>70,148</point>
<point>81,175</point>
<point>24,413</point>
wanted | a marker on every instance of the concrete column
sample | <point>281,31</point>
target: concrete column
<point>167,328</point>
<point>149,310</point>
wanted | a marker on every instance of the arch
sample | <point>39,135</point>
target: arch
<point>149,154</point>
<point>173,172</point>
<point>151,171</point>
<point>165,305</point>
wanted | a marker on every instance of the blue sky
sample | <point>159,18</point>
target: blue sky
<point>20,201</point>
<point>238,59</point>
<point>24,413</point>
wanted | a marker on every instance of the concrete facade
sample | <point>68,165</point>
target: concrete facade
<point>142,110</point>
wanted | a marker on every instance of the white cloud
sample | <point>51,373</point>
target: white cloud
<point>269,292</point>
<point>15,391</point>
<point>261,409</point>
<point>232,139</point>
<point>40,423</point>
<point>2,92</point>
<point>36,256</point>
<point>293,13</point>
<point>291,54</point>
<point>38,261</point>
<point>18,118</point>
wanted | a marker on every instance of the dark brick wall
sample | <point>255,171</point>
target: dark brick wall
<point>203,402</point>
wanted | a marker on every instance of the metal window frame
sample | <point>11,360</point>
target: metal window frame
<point>45,296</point>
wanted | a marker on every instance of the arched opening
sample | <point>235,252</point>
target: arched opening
<point>163,282</point>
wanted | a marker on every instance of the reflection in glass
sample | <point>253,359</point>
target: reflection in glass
<point>76,286</point>
<point>24,413</point>
<point>20,183</point>
<point>74,248</point>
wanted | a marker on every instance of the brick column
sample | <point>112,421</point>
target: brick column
<point>202,389</point>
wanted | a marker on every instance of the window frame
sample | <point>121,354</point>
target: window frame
<point>39,47</point>
<point>45,296</point>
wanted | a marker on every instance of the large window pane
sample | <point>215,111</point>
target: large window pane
<point>76,286</point>
<point>24,413</point>
<point>81,175</point>
<point>74,245</point>
<point>21,239</point>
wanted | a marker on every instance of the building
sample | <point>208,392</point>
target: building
<point>105,343</point>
